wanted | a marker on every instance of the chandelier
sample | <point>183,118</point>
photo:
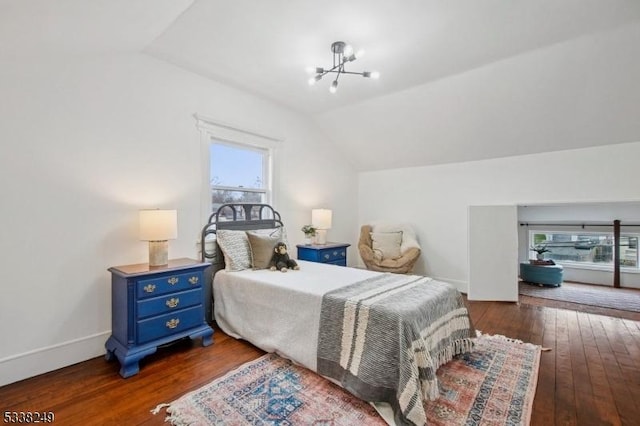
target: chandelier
<point>342,54</point>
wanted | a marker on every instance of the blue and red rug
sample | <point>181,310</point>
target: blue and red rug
<point>494,385</point>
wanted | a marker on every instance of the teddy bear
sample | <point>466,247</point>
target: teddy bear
<point>281,260</point>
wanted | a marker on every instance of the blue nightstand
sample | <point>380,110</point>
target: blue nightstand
<point>331,253</point>
<point>152,306</point>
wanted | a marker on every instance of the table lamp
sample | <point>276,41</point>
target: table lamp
<point>157,227</point>
<point>321,220</point>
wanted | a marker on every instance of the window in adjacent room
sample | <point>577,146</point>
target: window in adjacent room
<point>238,174</point>
<point>592,249</point>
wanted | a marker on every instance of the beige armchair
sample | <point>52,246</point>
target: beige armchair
<point>402,262</point>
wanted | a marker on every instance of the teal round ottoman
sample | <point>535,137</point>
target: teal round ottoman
<point>541,274</point>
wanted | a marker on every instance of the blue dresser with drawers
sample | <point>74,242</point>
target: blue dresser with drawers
<point>152,306</point>
<point>332,253</point>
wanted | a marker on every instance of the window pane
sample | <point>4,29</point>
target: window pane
<point>236,166</point>
<point>238,174</point>
<point>629,251</point>
<point>220,197</point>
<point>593,248</point>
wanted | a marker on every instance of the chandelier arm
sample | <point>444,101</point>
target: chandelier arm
<point>331,70</point>
<point>351,72</point>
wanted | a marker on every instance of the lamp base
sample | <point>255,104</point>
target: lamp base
<point>321,236</point>
<point>158,253</point>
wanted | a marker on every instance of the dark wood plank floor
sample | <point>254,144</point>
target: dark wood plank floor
<point>591,376</point>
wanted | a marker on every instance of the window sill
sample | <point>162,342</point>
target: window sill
<point>607,268</point>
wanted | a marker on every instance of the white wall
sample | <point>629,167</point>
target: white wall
<point>86,141</point>
<point>435,199</point>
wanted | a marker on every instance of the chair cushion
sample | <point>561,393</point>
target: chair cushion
<point>386,245</point>
<point>409,239</point>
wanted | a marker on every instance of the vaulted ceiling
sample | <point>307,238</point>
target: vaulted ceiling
<point>461,80</point>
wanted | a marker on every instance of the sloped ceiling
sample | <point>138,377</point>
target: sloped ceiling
<point>38,28</point>
<point>461,80</point>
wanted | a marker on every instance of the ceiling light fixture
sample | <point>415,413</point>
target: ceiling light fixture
<point>342,53</point>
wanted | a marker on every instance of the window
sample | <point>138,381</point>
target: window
<point>238,166</point>
<point>239,174</point>
<point>586,248</point>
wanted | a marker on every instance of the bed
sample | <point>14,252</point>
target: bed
<point>381,336</point>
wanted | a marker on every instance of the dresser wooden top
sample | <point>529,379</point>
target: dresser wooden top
<point>144,268</point>
<point>328,245</point>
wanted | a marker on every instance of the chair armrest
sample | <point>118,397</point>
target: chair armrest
<point>409,256</point>
<point>366,253</point>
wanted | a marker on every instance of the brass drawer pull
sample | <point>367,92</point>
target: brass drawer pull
<point>193,280</point>
<point>173,323</point>
<point>149,288</point>
<point>173,280</point>
<point>173,302</point>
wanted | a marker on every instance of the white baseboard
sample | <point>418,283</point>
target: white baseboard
<point>42,360</point>
<point>462,286</point>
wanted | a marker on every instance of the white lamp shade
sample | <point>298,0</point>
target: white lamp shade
<point>158,225</point>
<point>321,218</point>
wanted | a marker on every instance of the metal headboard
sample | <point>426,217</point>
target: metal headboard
<point>233,216</point>
<point>237,216</point>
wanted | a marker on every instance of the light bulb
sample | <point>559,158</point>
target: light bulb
<point>375,74</point>
<point>310,70</point>
<point>315,78</point>
<point>348,50</point>
<point>360,53</point>
<point>334,86</point>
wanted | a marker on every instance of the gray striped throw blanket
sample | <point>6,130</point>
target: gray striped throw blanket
<point>384,338</point>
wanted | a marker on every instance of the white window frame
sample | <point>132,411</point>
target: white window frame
<point>215,132</point>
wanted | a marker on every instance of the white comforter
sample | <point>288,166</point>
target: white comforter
<point>279,312</point>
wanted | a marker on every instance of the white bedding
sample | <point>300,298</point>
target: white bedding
<point>279,312</point>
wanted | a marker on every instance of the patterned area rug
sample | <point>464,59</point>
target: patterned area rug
<point>494,385</point>
<point>625,299</point>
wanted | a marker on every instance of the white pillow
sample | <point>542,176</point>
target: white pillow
<point>386,245</point>
<point>409,239</point>
<point>236,250</point>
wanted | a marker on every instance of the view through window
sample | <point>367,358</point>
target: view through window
<point>586,248</point>
<point>239,174</point>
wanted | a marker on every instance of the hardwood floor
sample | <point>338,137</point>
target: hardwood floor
<point>591,376</point>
